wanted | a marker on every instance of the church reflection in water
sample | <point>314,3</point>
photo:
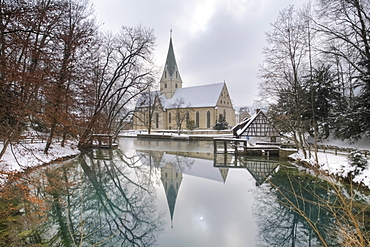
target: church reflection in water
<point>174,164</point>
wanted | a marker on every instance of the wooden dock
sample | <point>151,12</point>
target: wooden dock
<point>241,146</point>
<point>102,141</point>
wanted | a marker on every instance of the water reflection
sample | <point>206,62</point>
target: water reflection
<point>285,210</point>
<point>261,168</point>
<point>104,198</point>
<point>278,224</point>
<point>170,193</point>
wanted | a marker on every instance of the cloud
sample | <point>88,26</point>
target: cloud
<point>213,40</point>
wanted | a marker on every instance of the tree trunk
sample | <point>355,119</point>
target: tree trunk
<point>50,138</point>
<point>6,144</point>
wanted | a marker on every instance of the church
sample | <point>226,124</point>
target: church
<point>175,107</point>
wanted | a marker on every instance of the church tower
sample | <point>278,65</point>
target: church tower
<point>171,180</point>
<point>171,79</point>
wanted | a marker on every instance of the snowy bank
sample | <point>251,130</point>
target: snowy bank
<point>21,156</point>
<point>337,165</point>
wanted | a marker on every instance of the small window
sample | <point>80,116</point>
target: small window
<point>197,119</point>
<point>176,85</point>
<point>165,74</point>
<point>169,117</point>
<point>165,85</point>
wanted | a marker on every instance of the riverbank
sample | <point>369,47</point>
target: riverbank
<point>21,156</point>
<point>338,164</point>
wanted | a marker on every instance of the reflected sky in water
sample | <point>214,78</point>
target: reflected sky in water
<point>212,213</point>
<point>213,206</point>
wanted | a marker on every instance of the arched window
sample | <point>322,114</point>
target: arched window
<point>225,114</point>
<point>208,119</point>
<point>157,120</point>
<point>169,117</point>
<point>197,119</point>
<point>176,85</point>
<point>187,117</point>
<point>165,74</point>
<point>165,85</point>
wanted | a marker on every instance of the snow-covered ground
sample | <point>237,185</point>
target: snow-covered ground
<point>24,155</point>
<point>338,165</point>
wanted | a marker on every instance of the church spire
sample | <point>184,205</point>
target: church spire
<point>171,61</point>
<point>171,79</point>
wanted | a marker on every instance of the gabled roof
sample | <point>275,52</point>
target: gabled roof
<point>243,125</point>
<point>198,96</point>
<point>257,125</point>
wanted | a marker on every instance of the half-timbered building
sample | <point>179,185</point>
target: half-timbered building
<point>257,129</point>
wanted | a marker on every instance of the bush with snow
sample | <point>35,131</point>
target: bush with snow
<point>358,161</point>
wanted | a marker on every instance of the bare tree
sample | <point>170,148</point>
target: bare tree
<point>26,50</point>
<point>123,70</point>
<point>285,65</point>
<point>181,112</point>
<point>74,38</point>
<point>147,107</point>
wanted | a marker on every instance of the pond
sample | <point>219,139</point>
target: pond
<point>174,193</point>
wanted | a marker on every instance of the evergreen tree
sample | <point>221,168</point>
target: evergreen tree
<point>221,123</point>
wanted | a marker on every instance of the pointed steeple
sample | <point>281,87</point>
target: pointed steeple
<point>171,79</point>
<point>171,180</point>
<point>171,61</point>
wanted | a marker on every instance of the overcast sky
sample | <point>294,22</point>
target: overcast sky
<point>214,40</point>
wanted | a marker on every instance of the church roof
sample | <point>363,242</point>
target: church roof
<point>197,96</point>
<point>146,99</point>
<point>171,61</point>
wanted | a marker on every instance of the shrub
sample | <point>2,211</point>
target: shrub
<point>358,161</point>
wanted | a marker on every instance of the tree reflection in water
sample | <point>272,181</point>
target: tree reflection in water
<point>109,203</point>
<point>287,210</point>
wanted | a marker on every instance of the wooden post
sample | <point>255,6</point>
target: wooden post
<point>110,141</point>
<point>225,147</point>
<point>236,147</point>
<point>214,146</point>
<point>245,147</point>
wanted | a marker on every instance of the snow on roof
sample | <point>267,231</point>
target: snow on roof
<point>242,126</point>
<point>198,96</point>
<point>146,98</point>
